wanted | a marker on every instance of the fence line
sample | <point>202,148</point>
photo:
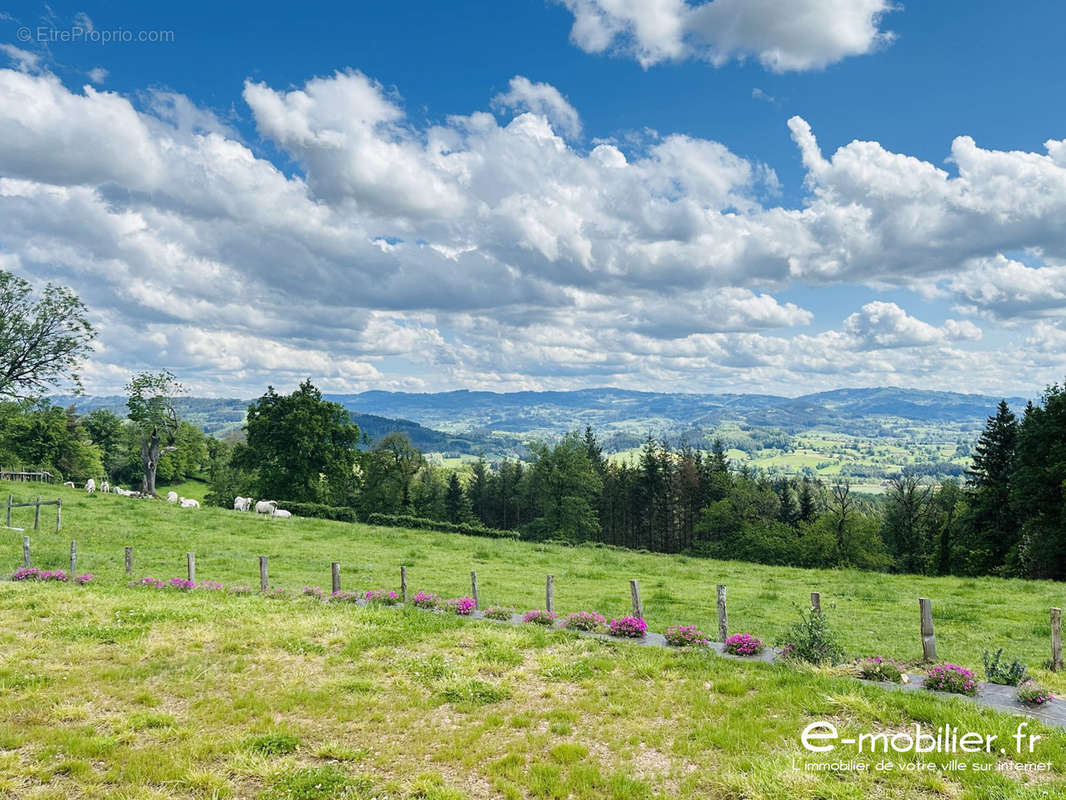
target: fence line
<point>928,636</point>
<point>36,506</point>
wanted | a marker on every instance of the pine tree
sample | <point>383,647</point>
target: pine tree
<point>1038,488</point>
<point>456,506</point>
<point>807,509</point>
<point>992,530</point>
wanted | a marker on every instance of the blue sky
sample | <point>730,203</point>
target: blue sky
<point>640,212</point>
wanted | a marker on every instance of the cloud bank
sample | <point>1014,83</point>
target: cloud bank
<point>498,251</point>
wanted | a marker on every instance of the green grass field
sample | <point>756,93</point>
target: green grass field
<point>109,691</point>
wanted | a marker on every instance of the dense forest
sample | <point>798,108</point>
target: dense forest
<point>1004,516</point>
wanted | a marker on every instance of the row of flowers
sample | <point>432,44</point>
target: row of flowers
<point>944,678</point>
<point>59,575</point>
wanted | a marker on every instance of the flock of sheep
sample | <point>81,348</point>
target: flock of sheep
<point>239,503</point>
<point>262,507</point>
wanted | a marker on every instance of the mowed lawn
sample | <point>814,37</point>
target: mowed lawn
<point>876,614</point>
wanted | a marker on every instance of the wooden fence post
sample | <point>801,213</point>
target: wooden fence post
<point>473,590</point>
<point>928,637</point>
<point>723,617</point>
<point>10,502</point>
<point>26,551</point>
<point>549,594</point>
<point>37,514</point>
<point>264,581</point>
<point>335,570</point>
<point>59,514</point>
<point>816,602</point>
<point>403,583</point>
<point>73,558</point>
<point>129,560</point>
<point>634,594</point>
<point>1056,639</point>
<point>190,563</point>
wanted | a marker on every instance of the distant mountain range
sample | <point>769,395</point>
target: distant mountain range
<point>496,424</point>
<point>854,411</point>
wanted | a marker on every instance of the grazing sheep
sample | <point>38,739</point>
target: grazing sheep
<point>266,506</point>
<point>281,513</point>
<point>69,483</point>
<point>242,503</point>
<point>172,497</point>
<point>90,486</point>
<point>188,502</point>
<point>105,487</point>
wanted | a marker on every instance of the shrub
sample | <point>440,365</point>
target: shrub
<point>996,671</point>
<point>462,606</point>
<point>275,593</point>
<point>83,578</point>
<point>877,668</point>
<point>426,600</point>
<point>743,644</point>
<point>499,612</point>
<point>950,678</point>
<point>628,627</point>
<point>320,511</point>
<point>181,584</point>
<point>539,617</point>
<point>273,744</point>
<point>341,596</point>
<point>382,597</point>
<point>811,639</point>
<point>243,589</point>
<point>584,621</point>
<point>1034,695</point>
<point>149,583</point>
<point>423,524</point>
<point>26,574</point>
<point>313,591</point>
<point>685,636</point>
<point>52,575</point>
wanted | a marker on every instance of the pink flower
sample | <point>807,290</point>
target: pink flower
<point>628,627</point>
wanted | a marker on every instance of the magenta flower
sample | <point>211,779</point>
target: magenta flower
<point>424,599</point>
<point>539,617</point>
<point>584,621</point>
<point>462,606</point>
<point>83,578</point>
<point>628,627</point>
<point>381,597</point>
<point>685,636</point>
<point>950,678</point>
<point>743,644</point>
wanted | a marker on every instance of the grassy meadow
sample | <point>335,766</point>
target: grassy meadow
<point>876,614</point>
<point>108,691</point>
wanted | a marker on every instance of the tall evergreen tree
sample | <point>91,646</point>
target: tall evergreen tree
<point>1038,488</point>
<point>992,530</point>
<point>456,505</point>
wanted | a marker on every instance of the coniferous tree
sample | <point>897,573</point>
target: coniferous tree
<point>992,529</point>
<point>1038,488</point>
<point>456,505</point>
